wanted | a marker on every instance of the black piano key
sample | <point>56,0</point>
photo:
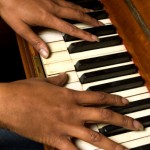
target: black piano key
<point>85,45</point>
<point>96,14</point>
<point>118,85</point>
<point>98,31</point>
<point>111,130</point>
<point>108,73</point>
<point>102,61</point>
<point>132,106</point>
<point>143,147</point>
<point>91,4</point>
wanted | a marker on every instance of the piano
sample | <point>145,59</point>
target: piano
<point>118,64</point>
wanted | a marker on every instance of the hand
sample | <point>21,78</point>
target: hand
<point>22,14</point>
<point>46,112</point>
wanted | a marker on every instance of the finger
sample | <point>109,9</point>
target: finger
<point>78,15</point>
<point>72,5</point>
<point>107,116</point>
<point>99,98</point>
<point>25,31</point>
<point>59,80</point>
<point>66,27</point>
<point>94,138</point>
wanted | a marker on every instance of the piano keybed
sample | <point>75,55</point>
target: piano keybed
<point>108,67</point>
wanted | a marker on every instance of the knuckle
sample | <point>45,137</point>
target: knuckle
<point>72,29</point>
<point>125,121</point>
<point>95,137</point>
<point>105,114</point>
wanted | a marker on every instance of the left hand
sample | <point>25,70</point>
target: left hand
<point>21,15</point>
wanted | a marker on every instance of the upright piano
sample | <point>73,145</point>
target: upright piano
<point>118,64</point>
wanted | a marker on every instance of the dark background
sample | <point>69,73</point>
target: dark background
<point>11,67</point>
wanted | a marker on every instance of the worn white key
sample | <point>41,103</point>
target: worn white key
<point>87,85</point>
<point>57,46</point>
<point>56,57</point>
<point>50,35</point>
<point>59,67</point>
<point>84,26</point>
<point>75,86</point>
<point>96,53</point>
<point>139,97</point>
<point>73,77</point>
<point>132,92</point>
<point>137,142</point>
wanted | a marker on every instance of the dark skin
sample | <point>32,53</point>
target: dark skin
<point>43,109</point>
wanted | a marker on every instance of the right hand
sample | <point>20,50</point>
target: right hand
<point>45,111</point>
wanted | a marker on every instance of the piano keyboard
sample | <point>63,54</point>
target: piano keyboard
<point>101,66</point>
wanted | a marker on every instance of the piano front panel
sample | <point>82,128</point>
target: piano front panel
<point>133,51</point>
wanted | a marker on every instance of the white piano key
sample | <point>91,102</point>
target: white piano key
<point>132,92</point>
<point>138,97</point>
<point>84,26</point>
<point>137,142</point>
<point>50,35</point>
<point>58,67</point>
<point>57,46</point>
<point>80,73</point>
<point>74,86</point>
<point>87,85</point>
<point>56,57</point>
<point>73,77</point>
<point>96,53</point>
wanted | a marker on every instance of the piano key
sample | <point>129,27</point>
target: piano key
<point>108,73</point>
<point>132,106</point>
<point>69,43</point>
<point>98,31</point>
<point>140,96</point>
<point>49,35</point>
<point>84,26</point>
<point>132,92</point>
<point>75,86</point>
<point>112,80</point>
<point>96,53</point>
<point>111,130</point>
<point>57,46</point>
<point>85,45</point>
<point>72,77</point>
<point>139,144</point>
<point>98,15</point>
<point>102,61</point>
<point>118,85</point>
<point>56,57</point>
<point>58,67</point>
<point>80,73</point>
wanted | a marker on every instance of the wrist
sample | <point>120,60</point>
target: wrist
<point>4,104</point>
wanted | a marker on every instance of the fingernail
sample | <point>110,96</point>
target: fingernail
<point>138,125</point>
<point>125,101</point>
<point>95,38</point>
<point>44,53</point>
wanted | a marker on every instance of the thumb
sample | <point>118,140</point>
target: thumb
<point>40,46</point>
<point>59,80</point>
